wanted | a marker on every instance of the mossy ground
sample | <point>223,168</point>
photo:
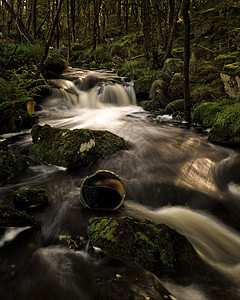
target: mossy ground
<point>156,247</point>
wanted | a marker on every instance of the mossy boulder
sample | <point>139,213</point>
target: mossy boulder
<point>175,108</point>
<point>170,67</point>
<point>156,247</point>
<point>54,66</point>
<point>200,53</point>
<point>231,80</point>
<point>31,199</point>
<point>143,86</point>
<point>150,105</point>
<point>175,88</point>
<point>203,93</point>
<point>226,129</point>
<point>10,217</point>
<point>10,167</point>
<point>73,149</point>
<point>159,92</point>
<point>14,117</point>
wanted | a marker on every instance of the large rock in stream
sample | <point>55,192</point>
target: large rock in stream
<point>156,247</point>
<point>73,149</point>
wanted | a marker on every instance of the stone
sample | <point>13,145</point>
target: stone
<point>156,247</point>
<point>73,149</point>
<point>150,105</point>
<point>31,199</point>
<point>203,29</point>
<point>231,85</point>
<point>170,67</point>
<point>159,92</point>
<point>10,217</point>
<point>200,53</point>
<point>175,88</point>
<point>10,167</point>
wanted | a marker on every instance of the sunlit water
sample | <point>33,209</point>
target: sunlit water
<point>171,174</point>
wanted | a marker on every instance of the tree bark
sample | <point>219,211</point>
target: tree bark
<point>73,5</point>
<point>186,19</point>
<point>50,37</point>
<point>146,27</point>
<point>154,40</point>
<point>19,23</point>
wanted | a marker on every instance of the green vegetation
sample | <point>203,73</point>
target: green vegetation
<point>30,199</point>
<point>73,149</point>
<point>10,167</point>
<point>156,247</point>
<point>10,217</point>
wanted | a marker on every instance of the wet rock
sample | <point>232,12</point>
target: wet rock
<point>156,247</point>
<point>151,105</point>
<point>159,92</point>
<point>10,167</point>
<point>10,217</point>
<point>31,199</point>
<point>170,67</point>
<point>73,149</point>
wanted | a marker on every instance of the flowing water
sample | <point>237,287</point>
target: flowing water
<point>171,174</point>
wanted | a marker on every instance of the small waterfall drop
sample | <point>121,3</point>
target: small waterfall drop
<point>89,93</point>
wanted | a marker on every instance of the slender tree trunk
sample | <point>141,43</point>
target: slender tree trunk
<point>96,6</point>
<point>49,40</point>
<point>119,11</point>
<point>69,31</point>
<point>73,6</point>
<point>126,14</point>
<point>154,40</point>
<point>146,27</point>
<point>186,19</point>
<point>173,17</point>
<point>34,17</point>
<point>19,23</point>
<point>57,29</point>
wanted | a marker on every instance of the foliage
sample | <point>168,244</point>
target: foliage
<point>226,129</point>
<point>176,109</point>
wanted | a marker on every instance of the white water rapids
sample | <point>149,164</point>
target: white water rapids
<point>172,175</point>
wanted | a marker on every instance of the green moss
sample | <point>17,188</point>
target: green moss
<point>150,105</point>
<point>30,199</point>
<point>73,149</point>
<point>155,246</point>
<point>54,66</point>
<point>232,69</point>
<point>10,167</point>
<point>226,129</point>
<point>10,217</point>
<point>175,108</point>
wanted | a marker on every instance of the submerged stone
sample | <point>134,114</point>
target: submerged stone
<point>31,199</point>
<point>10,167</point>
<point>156,247</point>
<point>73,149</point>
<point>10,217</point>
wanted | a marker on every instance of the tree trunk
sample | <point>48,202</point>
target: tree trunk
<point>186,19</point>
<point>69,31</point>
<point>154,40</point>
<point>73,5</point>
<point>50,37</point>
<point>146,27</point>
<point>19,23</point>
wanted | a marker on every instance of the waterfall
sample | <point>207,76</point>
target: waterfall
<point>89,93</point>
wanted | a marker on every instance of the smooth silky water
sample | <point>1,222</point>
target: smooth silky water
<point>171,174</point>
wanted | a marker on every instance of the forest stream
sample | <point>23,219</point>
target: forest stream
<point>171,174</point>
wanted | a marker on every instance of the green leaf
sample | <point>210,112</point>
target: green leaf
<point>30,107</point>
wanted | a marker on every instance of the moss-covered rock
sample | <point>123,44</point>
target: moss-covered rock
<point>14,117</point>
<point>175,88</point>
<point>10,217</point>
<point>202,92</point>
<point>159,92</point>
<point>150,105</point>
<point>54,66</point>
<point>143,86</point>
<point>170,67</point>
<point>231,85</point>
<point>73,149</point>
<point>31,199</point>
<point>10,167</point>
<point>175,108</point>
<point>199,53</point>
<point>226,129</point>
<point>156,247</point>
